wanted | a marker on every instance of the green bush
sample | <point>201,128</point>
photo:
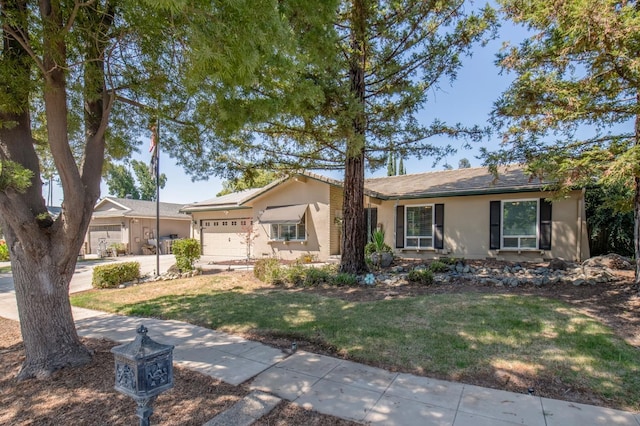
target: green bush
<point>344,279</point>
<point>316,276</point>
<point>438,266</point>
<point>112,275</point>
<point>268,270</point>
<point>186,252</point>
<point>294,274</point>
<point>420,276</point>
<point>4,251</point>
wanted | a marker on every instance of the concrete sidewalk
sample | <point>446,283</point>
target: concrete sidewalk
<point>347,389</point>
<point>329,385</point>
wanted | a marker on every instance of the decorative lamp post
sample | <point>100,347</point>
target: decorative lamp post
<point>144,369</point>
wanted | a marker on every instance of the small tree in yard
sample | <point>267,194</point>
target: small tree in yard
<point>186,252</point>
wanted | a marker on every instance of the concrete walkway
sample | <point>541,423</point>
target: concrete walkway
<point>347,389</point>
<point>334,386</point>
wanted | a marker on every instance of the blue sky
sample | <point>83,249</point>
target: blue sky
<point>468,100</point>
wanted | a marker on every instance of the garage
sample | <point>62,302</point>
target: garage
<point>225,238</point>
<point>104,235</point>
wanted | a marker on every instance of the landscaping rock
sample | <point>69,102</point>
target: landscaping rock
<point>611,261</point>
<point>558,265</point>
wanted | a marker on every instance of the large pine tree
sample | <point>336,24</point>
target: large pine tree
<point>361,74</point>
<point>573,111</point>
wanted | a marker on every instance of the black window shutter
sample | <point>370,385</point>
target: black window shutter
<point>399,226</point>
<point>545,225</point>
<point>438,235</point>
<point>370,214</point>
<point>494,224</point>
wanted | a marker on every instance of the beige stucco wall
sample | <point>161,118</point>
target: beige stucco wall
<point>318,219</point>
<point>335,215</point>
<point>466,228</point>
<point>136,231</point>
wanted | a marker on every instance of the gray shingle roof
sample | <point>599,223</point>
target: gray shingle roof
<point>229,201</point>
<point>469,181</point>
<point>442,183</point>
<point>138,208</point>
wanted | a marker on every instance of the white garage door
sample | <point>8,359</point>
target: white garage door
<point>225,239</point>
<point>105,234</point>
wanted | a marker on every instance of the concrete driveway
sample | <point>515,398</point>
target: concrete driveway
<point>81,278</point>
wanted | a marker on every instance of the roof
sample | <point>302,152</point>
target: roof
<point>444,183</point>
<point>126,207</point>
<point>225,202</point>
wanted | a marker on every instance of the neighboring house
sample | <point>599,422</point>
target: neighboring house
<point>460,213</point>
<point>133,223</point>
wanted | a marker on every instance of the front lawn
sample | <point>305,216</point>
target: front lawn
<point>509,341</point>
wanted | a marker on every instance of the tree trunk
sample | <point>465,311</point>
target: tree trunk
<point>636,232</point>
<point>354,239</point>
<point>46,321</point>
<point>636,201</point>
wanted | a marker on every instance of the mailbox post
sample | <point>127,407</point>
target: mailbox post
<point>143,370</point>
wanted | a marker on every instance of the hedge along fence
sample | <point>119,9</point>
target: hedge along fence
<point>112,275</point>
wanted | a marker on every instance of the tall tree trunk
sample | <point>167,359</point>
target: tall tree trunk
<point>636,232</point>
<point>42,292</point>
<point>354,238</point>
<point>636,201</point>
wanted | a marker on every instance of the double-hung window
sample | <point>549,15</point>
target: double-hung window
<point>520,224</point>
<point>419,226</point>
<point>288,231</point>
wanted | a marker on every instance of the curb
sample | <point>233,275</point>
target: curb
<point>246,411</point>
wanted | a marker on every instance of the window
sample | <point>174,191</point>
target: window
<point>289,232</point>
<point>234,222</point>
<point>243,223</point>
<point>520,224</point>
<point>225,223</point>
<point>215,223</point>
<point>419,226</point>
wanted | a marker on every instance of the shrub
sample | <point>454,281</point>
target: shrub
<point>438,266</point>
<point>4,251</point>
<point>307,258</point>
<point>377,244</point>
<point>420,276</point>
<point>118,248</point>
<point>263,267</point>
<point>186,251</point>
<point>344,279</point>
<point>269,270</point>
<point>112,275</point>
<point>294,274</point>
<point>316,276</point>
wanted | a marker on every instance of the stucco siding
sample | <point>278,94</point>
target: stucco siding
<point>302,191</point>
<point>466,228</point>
<point>335,223</point>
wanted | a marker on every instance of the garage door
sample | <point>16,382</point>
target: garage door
<point>225,239</point>
<point>107,234</point>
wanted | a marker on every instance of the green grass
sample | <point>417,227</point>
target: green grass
<point>451,335</point>
<point>5,269</point>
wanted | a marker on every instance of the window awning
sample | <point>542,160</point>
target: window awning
<point>289,215</point>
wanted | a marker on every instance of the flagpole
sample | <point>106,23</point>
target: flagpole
<point>157,195</point>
